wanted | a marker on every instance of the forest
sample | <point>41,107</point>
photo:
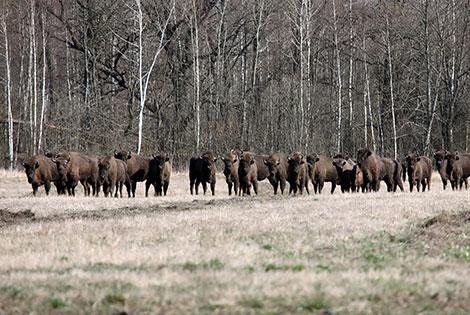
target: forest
<point>180,77</point>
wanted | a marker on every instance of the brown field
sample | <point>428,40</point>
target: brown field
<point>375,253</point>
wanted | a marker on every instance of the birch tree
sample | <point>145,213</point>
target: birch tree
<point>340,84</point>
<point>8,91</point>
<point>144,75</point>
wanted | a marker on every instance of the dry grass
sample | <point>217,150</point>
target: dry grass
<point>373,253</point>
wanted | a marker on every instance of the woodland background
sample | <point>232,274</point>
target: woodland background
<point>184,76</point>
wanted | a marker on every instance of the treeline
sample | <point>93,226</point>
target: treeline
<point>184,76</point>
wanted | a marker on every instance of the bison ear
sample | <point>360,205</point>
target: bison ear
<point>167,159</point>
<point>24,164</point>
<point>278,162</point>
<point>369,152</point>
<point>129,155</point>
<point>457,157</point>
<point>418,159</point>
<point>265,162</point>
<point>154,156</point>
<point>215,159</point>
<point>316,159</point>
<point>115,152</point>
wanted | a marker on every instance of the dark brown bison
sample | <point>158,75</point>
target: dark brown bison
<point>113,175</point>
<point>297,173</point>
<point>75,167</point>
<point>346,170</point>
<point>41,170</point>
<point>458,169</point>
<point>202,170</point>
<point>441,165</point>
<point>419,171</point>
<point>137,168</point>
<point>231,162</point>
<point>159,174</point>
<point>248,173</point>
<point>277,169</point>
<point>376,168</point>
<point>321,170</point>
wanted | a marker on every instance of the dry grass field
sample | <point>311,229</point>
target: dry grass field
<point>378,253</point>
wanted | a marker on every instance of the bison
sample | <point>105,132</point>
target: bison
<point>231,162</point>
<point>376,168</point>
<point>458,169</point>
<point>41,170</point>
<point>321,170</point>
<point>248,173</point>
<point>277,169</point>
<point>159,174</point>
<point>346,170</point>
<point>75,167</point>
<point>441,165</point>
<point>297,173</point>
<point>419,170</point>
<point>137,168</point>
<point>202,170</point>
<point>113,174</point>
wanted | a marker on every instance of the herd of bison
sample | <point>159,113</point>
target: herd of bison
<point>243,171</point>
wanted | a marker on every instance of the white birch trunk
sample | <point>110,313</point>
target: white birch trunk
<point>392,99</point>
<point>34,75</point>
<point>340,85</point>
<point>43,92</point>
<point>350,81</point>
<point>8,93</point>
<point>369,100</point>
<point>143,82</point>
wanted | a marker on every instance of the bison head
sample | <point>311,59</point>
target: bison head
<point>62,162</point>
<point>158,164</point>
<point>103,168</point>
<point>273,167</point>
<point>229,161</point>
<point>295,164</point>
<point>30,169</point>
<point>363,154</point>
<point>439,157</point>
<point>245,166</point>
<point>123,155</point>
<point>452,159</point>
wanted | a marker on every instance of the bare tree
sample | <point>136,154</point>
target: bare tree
<point>144,78</point>
<point>8,90</point>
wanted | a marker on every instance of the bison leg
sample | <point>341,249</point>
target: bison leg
<point>47,187</point>
<point>212,187</point>
<point>320,186</point>
<point>197,186</point>
<point>255,186</point>
<point>147,186</point>
<point>35,189</point>
<point>275,185</point>
<point>128,187</point>
<point>423,184</point>
<point>165,187</point>
<point>283,185</point>
<point>191,185</point>
<point>204,187</point>
<point>333,187</point>
<point>411,185</point>
<point>229,185</point>
<point>306,187</point>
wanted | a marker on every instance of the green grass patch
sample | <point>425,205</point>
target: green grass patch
<point>56,303</point>
<point>213,264</point>
<point>251,302</point>
<point>284,267</point>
